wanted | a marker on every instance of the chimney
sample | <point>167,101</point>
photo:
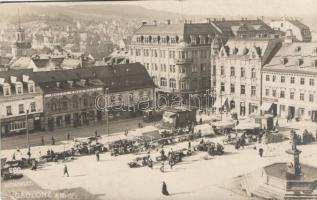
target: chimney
<point>70,83</point>
<point>13,79</point>
<point>25,78</point>
<point>83,82</point>
<point>143,23</point>
<point>58,84</point>
<point>168,21</point>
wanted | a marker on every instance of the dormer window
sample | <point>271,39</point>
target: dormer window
<point>297,49</point>
<point>284,60</point>
<point>31,87</point>
<point>19,88</point>
<point>235,51</point>
<point>299,62</point>
<point>6,90</point>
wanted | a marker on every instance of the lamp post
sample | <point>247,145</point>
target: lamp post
<point>106,110</point>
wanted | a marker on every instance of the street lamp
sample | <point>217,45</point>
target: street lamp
<point>106,110</point>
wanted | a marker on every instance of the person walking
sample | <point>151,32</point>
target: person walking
<point>189,145</point>
<point>261,152</point>
<point>162,167</point>
<point>66,171</point>
<point>68,136</point>
<point>164,189</point>
<point>42,141</point>
<point>53,140</point>
<point>97,156</point>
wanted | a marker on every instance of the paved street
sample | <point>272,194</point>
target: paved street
<point>61,134</point>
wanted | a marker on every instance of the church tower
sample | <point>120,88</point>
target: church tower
<point>20,46</point>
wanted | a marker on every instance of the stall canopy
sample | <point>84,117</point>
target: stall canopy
<point>147,133</point>
<point>205,129</point>
<point>224,124</point>
<point>266,106</point>
<point>247,126</point>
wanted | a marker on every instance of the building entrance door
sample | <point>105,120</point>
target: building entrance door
<point>291,112</point>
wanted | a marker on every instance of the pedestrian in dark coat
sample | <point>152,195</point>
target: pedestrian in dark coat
<point>42,140</point>
<point>261,152</point>
<point>66,171</point>
<point>97,155</point>
<point>164,189</point>
<point>68,137</point>
<point>53,140</point>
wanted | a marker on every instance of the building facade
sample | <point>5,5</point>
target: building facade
<point>69,98</point>
<point>21,98</point>
<point>236,74</point>
<point>289,82</point>
<point>301,31</point>
<point>176,56</point>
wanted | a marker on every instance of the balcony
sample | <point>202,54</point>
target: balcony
<point>183,61</point>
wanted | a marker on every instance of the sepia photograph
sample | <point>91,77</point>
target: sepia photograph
<point>158,100</point>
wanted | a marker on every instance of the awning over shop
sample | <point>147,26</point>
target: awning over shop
<point>266,106</point>
<point>219,104</point>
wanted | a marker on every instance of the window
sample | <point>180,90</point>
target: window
<point>242,89</point>
<point>292,80</point>
<point>253,73</point>
<point>171,54</point>
<point>282,94</point>
<point>232,88</point>
<point>311,82</point>
<point>301,97</point>
<point>9,110</point>
<point>232,71</point>
<point>172,83</point>
<point>31,88</point>
<point>222,71</point>
<point>194,68</point>
<point>242,72</point>
<point>291,95</point>
<point>274,93</point>
<point>302,81</point>
<point>19,90</point>
<point>6,92</point>
<point>64,105</point>
<point>267,77</point>
<point>33,106</point>
<point>311,98</point>
<point>253,90</point>
<point>163,82</point>
<point>267,92</point>
<point>273,78</point>
<point>203,67</point>
<point>183,84</point>
<point>85,102</point>
<point>222,87</point>
<point>282,79</point>
<point>21,108</point>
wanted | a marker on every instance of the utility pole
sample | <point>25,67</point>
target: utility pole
<point>27,129</point>
<point>106,111</point>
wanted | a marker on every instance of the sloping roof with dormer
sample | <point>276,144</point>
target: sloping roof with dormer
<point>292,52</point>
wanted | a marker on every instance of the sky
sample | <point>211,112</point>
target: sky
<point>234,7</point>
<point>227,7</point>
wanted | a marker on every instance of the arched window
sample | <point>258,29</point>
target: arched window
<point>172,83</point>
<point>163,82</point>
<point>253,73</point>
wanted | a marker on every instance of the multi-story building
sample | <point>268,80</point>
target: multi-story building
<point>301,31</point>
<point>289,81</point>
<point>128,88</point>
<point>177,56</point>
<point>237,73</point>
<point>19,96</point>
<point>69,97</point>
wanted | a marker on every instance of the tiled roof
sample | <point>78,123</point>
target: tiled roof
<point>298,24</point>
<point>125,77</point>
<point>230,27</point>
<point>17,73</point>
<point>292,52</point>
<point>180,29</point>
